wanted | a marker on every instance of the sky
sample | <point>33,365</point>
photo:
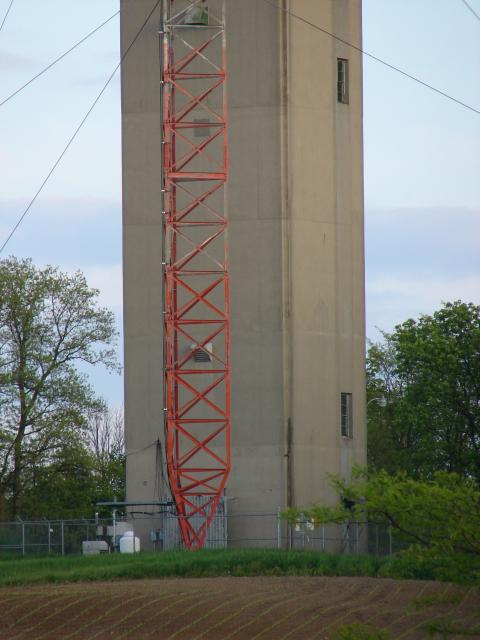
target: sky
<point>422,153</point>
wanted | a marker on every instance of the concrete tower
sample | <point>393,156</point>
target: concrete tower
<point>295,204</point>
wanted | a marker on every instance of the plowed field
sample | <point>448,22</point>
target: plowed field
<point>236,608</point>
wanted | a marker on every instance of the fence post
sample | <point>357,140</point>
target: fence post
<point>279,530</point>
<point>225,520</point>
<point>63,537</point>
<point>376,539</point>
<point>114,523</point>
<point>390,539</point>
<point>23,538</point>
<point>323,536</point>
<point>49,538</point>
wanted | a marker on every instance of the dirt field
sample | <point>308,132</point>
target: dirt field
<point>236,608</point>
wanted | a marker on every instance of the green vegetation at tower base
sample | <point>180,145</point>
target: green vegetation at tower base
<point>237,563</point>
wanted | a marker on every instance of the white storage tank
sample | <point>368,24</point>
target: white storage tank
<point>129,543</point>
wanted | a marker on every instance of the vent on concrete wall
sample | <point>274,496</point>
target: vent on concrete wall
<point>202,354</point>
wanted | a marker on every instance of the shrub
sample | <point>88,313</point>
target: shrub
<point>359,632</point>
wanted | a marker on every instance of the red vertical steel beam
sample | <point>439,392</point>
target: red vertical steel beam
<point>195,261</point>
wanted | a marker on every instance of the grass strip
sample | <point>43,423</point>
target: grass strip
<point>201,564</point>
<point>23,571</point>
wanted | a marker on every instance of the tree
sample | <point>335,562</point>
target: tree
<point>388,441</point>
<point>442,514</point>
<point>429,372</point>
<point>49,323</point>
<point>64,486</point>
<point>107,446</point>
<point>86,469</point>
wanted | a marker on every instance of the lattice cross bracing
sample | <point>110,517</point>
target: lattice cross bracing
<point>195,260</point>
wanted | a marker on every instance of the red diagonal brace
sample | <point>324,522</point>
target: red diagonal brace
<point>195,290</point>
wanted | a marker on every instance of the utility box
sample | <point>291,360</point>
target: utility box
<point>94,547</point>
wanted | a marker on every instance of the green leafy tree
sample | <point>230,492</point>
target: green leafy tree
<point>64,486</point>
<point>442,514</point>
<point>429,372</point>
<point>50,322</point>
<point>86,468</point>
<point>388,440</point>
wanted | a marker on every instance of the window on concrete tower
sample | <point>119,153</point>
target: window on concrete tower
<point>346,414</point>
<point>342,80</point>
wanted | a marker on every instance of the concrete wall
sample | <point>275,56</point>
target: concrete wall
<point>296,254</point>
<point>142,260</point>
<point>255,212</point>
<point>325,174</point>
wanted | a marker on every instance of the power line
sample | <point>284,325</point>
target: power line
<point>470,8</point>
<point>373,57</point>
<point>77,130</point>
<point>6,14</point>
<point>54,62</point>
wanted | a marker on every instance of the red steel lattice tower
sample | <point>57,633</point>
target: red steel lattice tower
<point>195,260</point>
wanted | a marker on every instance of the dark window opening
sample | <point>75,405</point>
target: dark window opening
<point>342,80</point>
<point>346,412</point>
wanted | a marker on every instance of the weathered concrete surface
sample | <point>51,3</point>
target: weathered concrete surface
<point>296,254</point>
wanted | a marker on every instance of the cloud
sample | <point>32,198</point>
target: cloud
<point>392,299</point>
<point>59,207</point>
<point>65,231</point>
<point>428,291</point>
<point>437,240</point>
<point>418,257</point>
<point>13,62</point>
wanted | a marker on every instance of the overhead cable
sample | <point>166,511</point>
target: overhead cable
<point>470,8</point>
<point>373,57</point>
<point>6,14</point>
<point>78,129</point>
<point>54,62</point>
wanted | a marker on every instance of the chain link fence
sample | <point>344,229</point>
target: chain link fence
<point>45,536</point>
<point>161,533</point>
